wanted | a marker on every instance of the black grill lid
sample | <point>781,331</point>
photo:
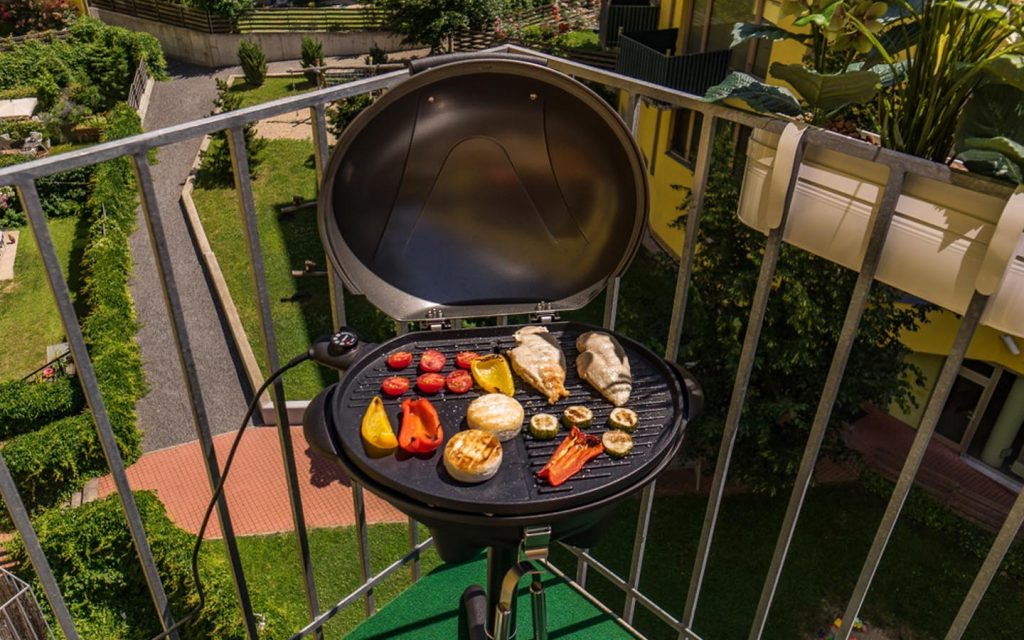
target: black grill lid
<point>483,187</point>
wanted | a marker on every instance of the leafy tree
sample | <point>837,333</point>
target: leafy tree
<point>806,309</point>
<point>312,56</point>
<point>215,166</point>
<point>230,9</point>
<point>345,111</point>
<point>253,61</point>
<point>433,22</point>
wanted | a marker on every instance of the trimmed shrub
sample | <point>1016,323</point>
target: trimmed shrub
<point>253,61</point>
<point>93,559</point>
<point>312,56</point>
<point>50,464</point>
<point>27,405</point>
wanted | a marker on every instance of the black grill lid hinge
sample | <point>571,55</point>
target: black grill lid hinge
<point>544,314</point>
<point>436,321</point>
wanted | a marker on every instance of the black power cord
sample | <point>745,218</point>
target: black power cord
<point>220,489</point>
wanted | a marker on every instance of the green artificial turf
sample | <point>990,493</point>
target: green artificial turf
<point>28,313</point>
<point>429,610</point>
<point>271,89</point>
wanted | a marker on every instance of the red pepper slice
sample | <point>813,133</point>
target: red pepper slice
<point>570,456</point>
<point>421,428</point>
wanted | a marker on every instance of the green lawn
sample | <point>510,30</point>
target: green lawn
<point>271,89</point>
<point>28,314</point>
<point>917,591</point>
<point>272,569</point>
<point>287,170</point>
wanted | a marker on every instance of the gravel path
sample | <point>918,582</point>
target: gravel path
<point>164,415</point>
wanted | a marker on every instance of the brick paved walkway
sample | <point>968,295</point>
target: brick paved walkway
<point>256,491</point>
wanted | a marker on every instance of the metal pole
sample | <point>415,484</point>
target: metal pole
<point>643,523</point>
<point>321,154</point>
<point>682,293</point>
<point>363,537</point>
<point>943,385</point>
<point>247,208</point>
<point>847,336</point>
<point>414,541</point>
<point>19,515</point>
<point>758,306</point>
<point>90,387</point>
<point>183,345</point>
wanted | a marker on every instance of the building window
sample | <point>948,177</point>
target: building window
<point>710,29</point>
<point>685,135</point>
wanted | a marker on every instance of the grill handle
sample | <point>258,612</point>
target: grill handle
<point>314,423</point>
<point>694,392</point>
<point>422,64</point>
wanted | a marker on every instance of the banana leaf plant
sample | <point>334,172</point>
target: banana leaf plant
<point>943,79</point>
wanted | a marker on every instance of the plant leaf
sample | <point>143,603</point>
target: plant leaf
<point>750,92</point>
<point>1008,69</point>
<point>991,163</point>
<point>829,92</point>
<point>744,31</point>
<point>1000,144</point>
<point>896,39</point>
<point>888,74</point>
<point>822,18</point>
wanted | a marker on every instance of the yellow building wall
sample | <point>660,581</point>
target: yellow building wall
<point>937,337</point>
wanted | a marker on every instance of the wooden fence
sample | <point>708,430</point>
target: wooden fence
<point>168,13</point>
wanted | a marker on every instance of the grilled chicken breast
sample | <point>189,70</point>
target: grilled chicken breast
<point>603,363</point>
<point>539,360</point>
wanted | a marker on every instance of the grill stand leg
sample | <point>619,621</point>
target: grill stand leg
<point>540,608</point>
<point>501,561</point>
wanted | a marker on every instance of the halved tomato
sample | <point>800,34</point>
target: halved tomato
<point>459,381</point>
<point>394,386</point>
<point>399,359</point>
<point>464,359</point>
<point>430,383</point>
<point>432,361</point>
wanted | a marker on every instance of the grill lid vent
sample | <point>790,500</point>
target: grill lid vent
<point>483,187</point>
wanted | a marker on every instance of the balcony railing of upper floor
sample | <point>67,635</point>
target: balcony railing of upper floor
<point>648,56</point>
<point>681,619</point>
<point>626,16</point>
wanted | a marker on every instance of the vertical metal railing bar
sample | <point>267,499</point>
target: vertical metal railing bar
<point>321,155</point>
<point>90,387</point>
<point>943,385</point>
<point>581,568</point>
<point>414,532</point>
<point>16,507</point>
<point>247,209</point>
<point>744,369</point>
<point>580,589</point>
<point>829,393</point>
<point>363,537</point>
<point>24,616</point>
<point>643,523</point>
<point>1006,536</point>
<point>183,345</point>
<point>700,177</point>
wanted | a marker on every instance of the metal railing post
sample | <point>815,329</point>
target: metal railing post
<point>321,155</point>
<point>193,389</point>
<point>363,537</point>
<point>247,208</point>
<point>943,385</point>
<point>90,387</point>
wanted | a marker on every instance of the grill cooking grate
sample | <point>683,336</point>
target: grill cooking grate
<point>656,398</point>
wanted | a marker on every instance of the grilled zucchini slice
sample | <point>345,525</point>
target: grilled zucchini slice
<point>578,416</point>
<point>617,444</point>
<point>544,426</point>
<point>623,419</point>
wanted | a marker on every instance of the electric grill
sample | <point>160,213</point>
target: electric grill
<point>491,185</point>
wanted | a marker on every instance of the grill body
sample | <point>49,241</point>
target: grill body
<point>463,517</point>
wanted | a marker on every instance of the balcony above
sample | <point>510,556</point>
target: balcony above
<point>648,56</point>
<point>626,16</point>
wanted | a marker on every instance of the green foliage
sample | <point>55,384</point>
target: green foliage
<point>312,54</point>
<point>63,195</point>
<point>828,92</point>
<point>14,93</point>
<point>253,61</point>
<point>215,164</point>
<point>377,55</point>
<point>807,308</point>
<point>432,22</point>
<point>26,405</point>
<point>89,71</point>
<point>230,9</point>
<point>51,463</point>
<point>18,17</point>
<point>344,111</point>
<point>92,556</point>
<point>926,511</point>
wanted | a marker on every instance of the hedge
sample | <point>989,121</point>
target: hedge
<point>53,462</point>
<point>93,559</point>
<point>26,405</point>
<point>63,195</point>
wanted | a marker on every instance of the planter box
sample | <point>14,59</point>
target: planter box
<point>937,243</point>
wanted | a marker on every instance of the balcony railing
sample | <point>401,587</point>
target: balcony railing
<point>626,16</point>
<point>647,56</point>
<point>681,620</point>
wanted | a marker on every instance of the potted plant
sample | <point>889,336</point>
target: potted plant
<point>942,81</point>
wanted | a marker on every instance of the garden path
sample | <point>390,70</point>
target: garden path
<point>164,414</point>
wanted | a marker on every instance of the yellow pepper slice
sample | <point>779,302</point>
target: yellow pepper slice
<point>493,374</point>
<point>378,435</point>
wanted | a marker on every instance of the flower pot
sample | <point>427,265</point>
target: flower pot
<point>940,246</point>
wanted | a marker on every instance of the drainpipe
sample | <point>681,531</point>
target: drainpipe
<point>1006,428</point>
